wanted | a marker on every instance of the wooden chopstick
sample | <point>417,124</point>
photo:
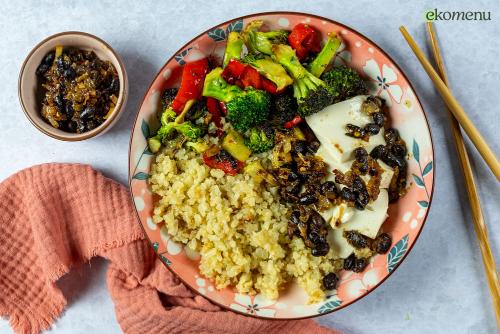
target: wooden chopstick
<point>455,108</point>
<point>475,204</point>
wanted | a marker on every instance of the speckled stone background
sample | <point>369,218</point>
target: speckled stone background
<point>440,288</point>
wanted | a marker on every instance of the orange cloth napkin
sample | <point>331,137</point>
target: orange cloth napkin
<point>54,217</point>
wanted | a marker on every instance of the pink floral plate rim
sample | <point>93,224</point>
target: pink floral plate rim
<point>402,246</point>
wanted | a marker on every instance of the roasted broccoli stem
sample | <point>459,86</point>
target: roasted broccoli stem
<point>259,41</point>
<point>344,83</point>
<point>234,47</point>
<point>312,93</point>
<point>269,69</point>
<point>260,139</point>
<point>325,56</point>
<point>245,108</point>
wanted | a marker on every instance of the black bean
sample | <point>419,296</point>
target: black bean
<point>360,154</point>
<point>373,172</point>
<point>315,237</point>
<point>358,184</point>
<point>355,131</point>
<point>308,198</point>
<point>378,152</point>
<point>87,112</point>
<point>294,217</point>
<point>293,187</point>
<point>382,243</point>
<point>91,124</point>
<point>398,150</point>
<point>357,240</point>
<point>42,69</point>
<point>320,249</point>
<point>69,73</point>
<point>378,118</point>
<point>72,126</point>
<point>314,146</point>
<point>372,128</point>
<point>316,220</point>
<point>328,187</point>
<point>48,59</point>
<point>349,262</point>
<point>363,168</point>
<point>59,102</point>
<point>299,146</point>
<point>347,194</point>
<point>62,65</point>
<point>80,126</point>
<point>69,110</point>
<point>359,265</point>
<point>293,176</point>
<point>391,136</point>
<point>330,281</point>
<point>114,86</point>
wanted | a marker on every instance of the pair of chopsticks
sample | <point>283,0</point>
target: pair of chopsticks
<point>457,115</point>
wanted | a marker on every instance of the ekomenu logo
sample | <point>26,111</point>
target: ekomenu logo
<point>438,15</point>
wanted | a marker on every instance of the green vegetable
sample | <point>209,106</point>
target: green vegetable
<point>245,108</point>
<point>199,146</point>
<point>234,144</point>
<point>154,144</point>
<point>260,139</point>
<point>344,83</point>
<point>325,56</point>
<point>312,93</point>
<point>269,69</point>
<point>258,41</point>
<point>234,47</point>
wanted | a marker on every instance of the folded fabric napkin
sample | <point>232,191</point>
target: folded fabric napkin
<point>54,217</point>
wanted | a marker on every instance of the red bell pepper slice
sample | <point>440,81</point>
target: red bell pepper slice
<point>233,71</point>
<point>214,110</point>
<point>251,78</point>
<point>270,87</point>
<point>193,77</point>
<point>304,39</point>
<point>217,158</point>
<point>290,124</point>
<point>223,108</point>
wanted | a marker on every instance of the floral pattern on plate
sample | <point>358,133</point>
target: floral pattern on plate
<point>406,217</point>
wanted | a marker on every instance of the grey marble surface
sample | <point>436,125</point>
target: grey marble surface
<point>439,288</point>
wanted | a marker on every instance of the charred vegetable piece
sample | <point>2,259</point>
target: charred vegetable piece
<point>304,39</point>
<point>356,239</point>
<point>245,108</point>
<point>260,139</point>
<point>234,46</point>
<point>218,158</point>
<point>260,41</point>
<point>320,249</point>
<point>234,144</point>
<point>193,76</point>
<point>270,70</point>
<point>344,83</point>
<point>325,56</point>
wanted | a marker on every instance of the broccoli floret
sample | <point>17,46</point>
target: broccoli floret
<point>189,130</point>
<point>312,93</point>
<point>321,61</point>
<point>198,110</point>
<point>245,108</point>
<point>269,69</point>
<point>260,139</point>
<point>284,108</point>
<point>344,83</point>
<point>234,47</point>
<point>259,41</point>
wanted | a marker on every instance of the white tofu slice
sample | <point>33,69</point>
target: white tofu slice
<point>339,245</point>
<point>338,213</point>
<point>329,126</point>
<point>386,177</point>
<point>369,220</point>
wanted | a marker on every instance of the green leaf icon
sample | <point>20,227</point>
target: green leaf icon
<point>217,34</point>
<point>235,26</point>
<point>141,176</point>
<point>145,129</point>
<point>416,151</point>
<point>418,181</point>
<point>155,246</point>
<point>330,305</point>
<point>396,253</point>
<point>427,169</point>
<point>180,57</point>
<point>423,204</point>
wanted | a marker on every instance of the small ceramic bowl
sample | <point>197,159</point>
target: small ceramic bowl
<point>29,85</point>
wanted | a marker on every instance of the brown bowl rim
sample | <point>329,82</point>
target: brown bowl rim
<point>89,134</point>
<point>224,307</point>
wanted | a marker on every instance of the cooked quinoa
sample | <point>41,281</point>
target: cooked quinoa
<point>238,226</point>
